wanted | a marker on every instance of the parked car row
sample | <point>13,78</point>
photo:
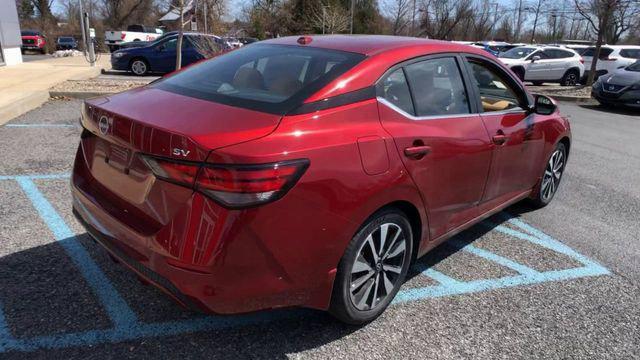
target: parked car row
<point>160,56</point>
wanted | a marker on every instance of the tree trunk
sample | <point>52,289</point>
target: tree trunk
<point>596,55</point>
<point>180,35</point>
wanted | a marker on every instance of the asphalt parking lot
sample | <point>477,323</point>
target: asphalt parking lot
<point>561,282</point>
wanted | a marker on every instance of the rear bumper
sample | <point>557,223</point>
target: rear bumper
<point>218,260</point>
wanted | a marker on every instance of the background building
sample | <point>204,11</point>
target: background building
<point>10,39</point>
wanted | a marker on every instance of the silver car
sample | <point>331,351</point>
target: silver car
<point>621,87</point>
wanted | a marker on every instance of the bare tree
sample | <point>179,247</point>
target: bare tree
<point>399,12</point>
<point>441,17</point>
<point>624,17</point>
<point>598,14</point>
<point>330,18</point>
<point>535,19</point>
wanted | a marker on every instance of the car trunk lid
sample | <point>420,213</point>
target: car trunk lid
<point>122,129</point>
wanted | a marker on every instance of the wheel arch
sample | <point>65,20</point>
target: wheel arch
<point>413,215</point>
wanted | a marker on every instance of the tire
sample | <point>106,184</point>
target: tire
<point>43,51</point>
<point>570,78</point>
<point>139,67</point>
<point>553,171</point>
<point>537,83</point>
<point>360,278</point>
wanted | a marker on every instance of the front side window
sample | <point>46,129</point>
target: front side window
<point>394,89</point>
<point>541,53</point>
<point>264,77</point>
<point>496,94</point>
<point>437,87</point>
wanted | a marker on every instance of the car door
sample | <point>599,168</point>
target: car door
<point>558,63</point>
<point>518,142</point>
<point>190,50</point>
<point>439,135</point>
<point>164,56</point>
<point>537,69</point>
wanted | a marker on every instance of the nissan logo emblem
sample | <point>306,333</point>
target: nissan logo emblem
<point>103,125</point>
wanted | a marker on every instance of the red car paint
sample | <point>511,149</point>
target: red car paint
<point>32,40</point>
<point>359,158</point>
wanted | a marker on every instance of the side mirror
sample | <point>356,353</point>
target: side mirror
<point>535,58</point>
<point>544,105</point>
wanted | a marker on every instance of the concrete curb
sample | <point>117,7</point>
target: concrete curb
<point>27,103</point>
<point>79,94</point>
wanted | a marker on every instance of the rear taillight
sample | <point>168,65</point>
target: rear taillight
<point>233,186</point>
<point>122,36</point>
<point>581,61</point>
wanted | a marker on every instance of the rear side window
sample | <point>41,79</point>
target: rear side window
<point>604,52</point>
<point>558,54</point>
<point>495,92</point>
<point>264,77</point>
<point>437,87</point>
<point>394,89</point>
<point>630,53</point>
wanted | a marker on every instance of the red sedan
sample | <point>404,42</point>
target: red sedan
<point>310,171</point>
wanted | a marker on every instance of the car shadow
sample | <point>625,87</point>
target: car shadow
<point>44,295</point>
<point>619,110</point>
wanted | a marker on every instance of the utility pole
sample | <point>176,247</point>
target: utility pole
<point>92,54</point>
<point>84,36</point>
<point>353,6</point>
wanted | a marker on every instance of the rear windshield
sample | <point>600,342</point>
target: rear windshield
<point>65,39</point>
<point>29,33</point>
<point>264,77</point>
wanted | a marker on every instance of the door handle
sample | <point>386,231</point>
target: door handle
<point>417,152</point>
<point>500,138</point>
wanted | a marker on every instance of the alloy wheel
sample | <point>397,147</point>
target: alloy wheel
<point>139,67</point>
<point>378,266</point>
<point>552,175</point>
<point>572,79</point>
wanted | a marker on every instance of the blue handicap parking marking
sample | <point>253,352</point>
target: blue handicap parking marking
<point>28,126</point>
<point>127,326</point>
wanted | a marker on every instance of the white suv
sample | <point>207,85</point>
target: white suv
<point>611,57</point>
<point>540,64</point>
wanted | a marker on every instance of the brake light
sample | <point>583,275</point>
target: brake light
<point>122,36</point>
<point>232,186</point>
<point>181,173</point>
<point>581,60</point>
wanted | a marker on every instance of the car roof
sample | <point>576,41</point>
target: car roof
<point>372,44</point>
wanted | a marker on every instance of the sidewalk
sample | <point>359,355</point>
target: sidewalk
<point>25,86</point>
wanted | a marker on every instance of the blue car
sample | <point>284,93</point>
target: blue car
<point>160,55</point>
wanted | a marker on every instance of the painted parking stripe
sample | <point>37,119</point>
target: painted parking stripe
<point>6,339</point>
<point>36,177</point>
<point>40,125</point>
<point>494,284</point>
<point>115,306</point>
<point>522,269</point>
<point>127,328</point>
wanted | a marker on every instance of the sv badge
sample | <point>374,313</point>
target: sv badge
<point>180,152</point>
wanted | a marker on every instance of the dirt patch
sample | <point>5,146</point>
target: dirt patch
<point>99,85</point>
